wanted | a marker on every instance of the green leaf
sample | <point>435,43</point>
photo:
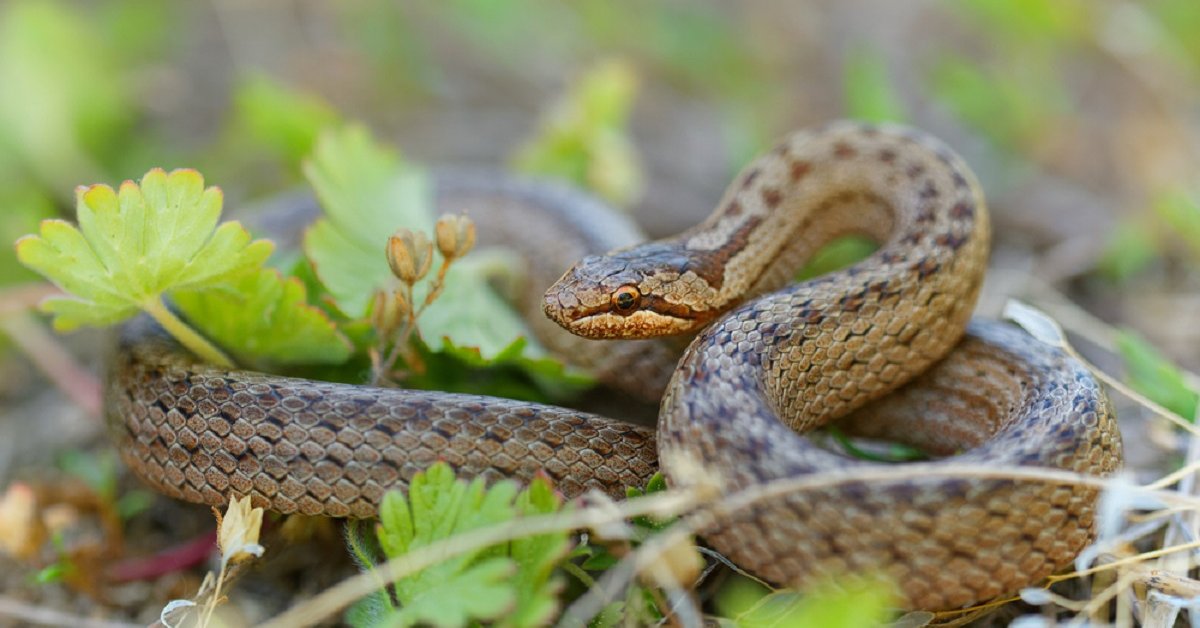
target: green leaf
<point>1180,212</point>
<point>585,139</point>
<point>483,592</point>
<point>367,193</point>
<point>1179,21</point>
<point>1155,376</point>
<point>65,99</point>
<point>134,245</point>
<point>1131,249</point>
<point>891,453</point>
<point>470,314</point>
<point>869,93</point>
<point>511,373</point>
<point>853,603</point>
<point>265,317</point>
<point>656,484</point>
<point>55,572</point>
<point>369,610</point>
<point>1012,105</point>
<point>839,253</point>
<point>1030,22</point>
<point>536,556</point>
<point>438,507</point>
<point>510,581</point>
<point>284,120</point>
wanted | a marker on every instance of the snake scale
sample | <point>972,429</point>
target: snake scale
<point>770,361</point>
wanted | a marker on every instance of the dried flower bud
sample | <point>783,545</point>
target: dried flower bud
<point>409,254</point>
<point>455,235</point>
<point>379,310</point>
<point>387,309</point>
<point>24,532</point>
<point>237,533</point>
<point>679,565</point>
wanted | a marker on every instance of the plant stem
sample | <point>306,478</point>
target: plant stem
<point>49,356</point>
<point>435,288</point>
<point>214,599</point>
<point>186,336</point>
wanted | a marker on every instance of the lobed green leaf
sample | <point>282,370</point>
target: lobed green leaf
<point>509,582</point>
<point>536,557</point>
<point>367,192</point>
<point>135,244</point>
<point>265,317</point>
<point>482,592</point>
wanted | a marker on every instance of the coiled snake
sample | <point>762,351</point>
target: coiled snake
<point>769,362</point>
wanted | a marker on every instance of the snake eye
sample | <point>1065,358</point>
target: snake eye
<point>626,298</point>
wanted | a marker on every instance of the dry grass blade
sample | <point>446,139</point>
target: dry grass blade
<point>1159,608</point>
<point>345,593</point>
<point>25,613</point>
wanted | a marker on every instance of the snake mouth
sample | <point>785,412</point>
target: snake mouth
<point>639,324</point>
<point>656,318</point>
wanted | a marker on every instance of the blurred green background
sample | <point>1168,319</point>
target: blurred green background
<point>1080,116</point>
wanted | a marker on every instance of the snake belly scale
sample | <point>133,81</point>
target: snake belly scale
<point>770,362</point>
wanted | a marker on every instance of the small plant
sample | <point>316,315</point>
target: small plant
<point>237,538</point>
<point>367,192</point>
<point>394,316</point>
<point>512,584</point>
<point>157,247</point>
<point>134,246</point>
<point>137,246</point>
<point>584,138</point>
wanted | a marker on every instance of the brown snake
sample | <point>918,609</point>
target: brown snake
<point>769,362</point>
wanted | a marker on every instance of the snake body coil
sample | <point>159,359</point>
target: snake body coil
<point>769,364</point>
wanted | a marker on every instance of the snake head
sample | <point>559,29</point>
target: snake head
<point>633,293</point>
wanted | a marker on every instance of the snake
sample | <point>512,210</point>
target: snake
<point>886,345</point>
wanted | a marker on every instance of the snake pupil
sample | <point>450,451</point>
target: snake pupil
<point>625,298</point>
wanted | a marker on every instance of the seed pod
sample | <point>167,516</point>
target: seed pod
<point>409,255</point>
<point>455,235</point>
<point>379,310</point>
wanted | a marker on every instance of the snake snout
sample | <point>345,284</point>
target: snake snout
<point>581,299</point>
<point>560,303</point>
<point>553,308</point>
